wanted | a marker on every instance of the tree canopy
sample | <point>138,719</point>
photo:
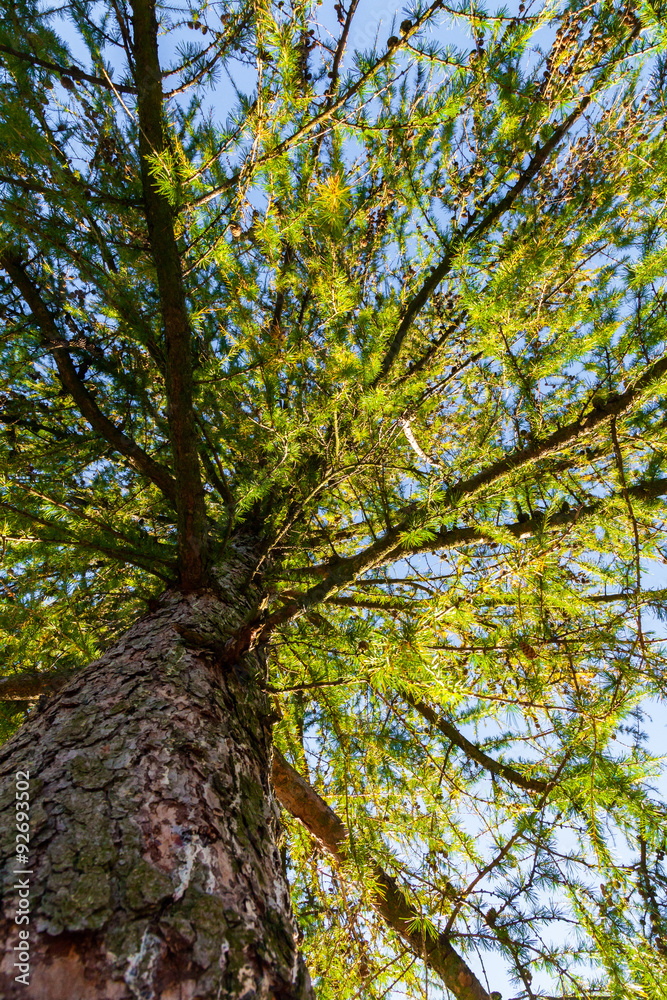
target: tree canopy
<point>398,313</point>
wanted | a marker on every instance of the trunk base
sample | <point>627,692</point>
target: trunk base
<point>155,871</point>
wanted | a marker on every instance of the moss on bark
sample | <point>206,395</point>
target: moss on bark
<point>153,837</point>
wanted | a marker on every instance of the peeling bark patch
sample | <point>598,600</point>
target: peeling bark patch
<point>194,850</point>
<point>142,967</point>
<point>156,873</point>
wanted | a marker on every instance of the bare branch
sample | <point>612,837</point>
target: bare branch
<point>71,71</point>
<point>340,48</point>
<point>415,445</point>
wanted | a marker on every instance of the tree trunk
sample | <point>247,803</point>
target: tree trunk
<point>153,869</point>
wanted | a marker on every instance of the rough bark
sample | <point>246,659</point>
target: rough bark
<point>153,857</point>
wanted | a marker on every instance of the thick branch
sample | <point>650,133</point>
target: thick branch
<point>614,406</point>
<point>303,802</point>
<point>67,373</point>
<point>30,687</point>
<point>339,572</point>
<point>532,526</point>
<point>453,537</point>
<point>387,605</point>
<point>190,497</point>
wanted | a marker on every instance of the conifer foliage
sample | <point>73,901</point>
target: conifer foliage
<point>390,302</point>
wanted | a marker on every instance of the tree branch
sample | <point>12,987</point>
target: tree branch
<point>641,596</point>
<point>72,71</point>
<point>148,562</point>
<point>340,48</point>
<point>190,497</point>
<point>473,751</point>
<point>475,229</point>
<point>387,605</point>
<point>303,802</point>
<point>329,109</point>
<point>614,406</point>
<point>453,537</point>
<point>472,231</point>
<point>530,527</point>
<point>339,572</point>
<point>30,687</point>
<point>67,373</point>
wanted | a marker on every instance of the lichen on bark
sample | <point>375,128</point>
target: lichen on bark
<point>156,871</point>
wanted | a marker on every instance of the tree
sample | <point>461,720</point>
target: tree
<point>333,437</point>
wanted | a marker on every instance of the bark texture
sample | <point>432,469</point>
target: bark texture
<point>155,870</point>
